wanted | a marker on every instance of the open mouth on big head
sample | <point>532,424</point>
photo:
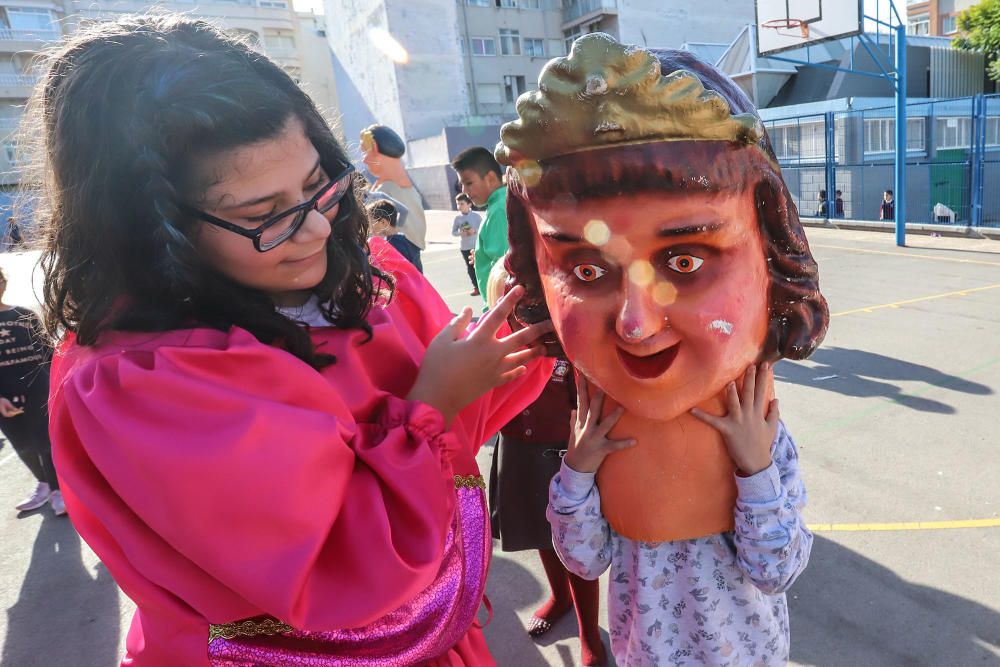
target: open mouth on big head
<point>650,366</point>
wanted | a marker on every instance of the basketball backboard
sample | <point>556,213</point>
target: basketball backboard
<point>783,25</point>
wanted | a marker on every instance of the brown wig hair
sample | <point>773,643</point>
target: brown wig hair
<point>798,312</point>
<point>124,111</point>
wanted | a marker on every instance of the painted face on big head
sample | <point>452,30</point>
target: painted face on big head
<point>660,299</point>
<point>250,184</point>
<point>373,160</point>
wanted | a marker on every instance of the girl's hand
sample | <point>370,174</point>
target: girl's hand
<point>8,409</point>
<point>457,370</point>
<point>747,433</point>
<point>589,444</point>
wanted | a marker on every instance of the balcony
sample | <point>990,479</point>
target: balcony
<point>17,85</point>
<point>13,40</point>
<point>576,12</point>
<point>13,34</point>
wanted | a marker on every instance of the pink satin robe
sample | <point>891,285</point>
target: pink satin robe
<point>219,478</point>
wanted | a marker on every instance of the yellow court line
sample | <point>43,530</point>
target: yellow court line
<point>897,304</point>
<point>906,254</point>
<point>911,525</point>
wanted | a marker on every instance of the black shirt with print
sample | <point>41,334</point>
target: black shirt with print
<point>24,356</point>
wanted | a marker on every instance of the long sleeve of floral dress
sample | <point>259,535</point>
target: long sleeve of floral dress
<point>715,600</point>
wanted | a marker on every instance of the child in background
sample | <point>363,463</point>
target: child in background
<point>525,459</point>
<point>887,209</point>
<point>466,226</point>
<point>24,400</point>
<point>384,217</point>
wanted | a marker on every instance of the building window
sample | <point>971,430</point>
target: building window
<point>489,93</point>
<point>249,37</point>
<point>512,4</point>
<point>30,19</point>
<point>479,3</point>
<point>483,46</point>
<point>919,24</point>
<point>798,141</point>
<point>949,25</point>
<point>514,87</point>
<point>530,4</point>
<point>279,41</point>
<point>953,133</point>
<point>570,36</point>
<point>993,131</point>
<point>880,135</point>
<point>534,47</point>
<point>272,4</point>
<point>510,42</point>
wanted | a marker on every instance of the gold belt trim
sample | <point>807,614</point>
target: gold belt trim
<point>470,482</point>
<point>248,628</point>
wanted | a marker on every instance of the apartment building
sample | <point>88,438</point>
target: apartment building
<point>936,18</point>
<point>297,41</point>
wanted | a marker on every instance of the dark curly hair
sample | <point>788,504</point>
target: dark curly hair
<point>798,312</point>
<point>124,110</point>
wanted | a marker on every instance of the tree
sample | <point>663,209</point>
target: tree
<point>979,30</point>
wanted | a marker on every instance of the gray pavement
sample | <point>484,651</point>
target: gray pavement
<point>896,420</point>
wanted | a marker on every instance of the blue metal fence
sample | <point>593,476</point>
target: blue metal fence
<point>953,161</point>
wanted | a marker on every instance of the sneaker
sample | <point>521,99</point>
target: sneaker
<point>474,292</point>
<point>36,499</point>
<point>57,502</point>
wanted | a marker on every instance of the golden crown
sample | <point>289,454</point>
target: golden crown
<point>606,93</point>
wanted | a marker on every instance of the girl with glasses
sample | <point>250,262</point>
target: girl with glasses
<point>264,425</point>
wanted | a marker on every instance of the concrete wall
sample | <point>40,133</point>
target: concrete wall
<point>317,67</point>
<point>660,23</point>
<point>417,98</point>
<point>436,184</point>
<point>431,86</point>
<point>366,77</point>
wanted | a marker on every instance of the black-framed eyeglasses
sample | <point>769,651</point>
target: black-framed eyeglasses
<point>282,226</point>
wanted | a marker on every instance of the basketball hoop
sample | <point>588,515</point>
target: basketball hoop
<point>787,24</point>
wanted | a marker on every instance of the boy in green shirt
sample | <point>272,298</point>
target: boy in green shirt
<point>482,179</point>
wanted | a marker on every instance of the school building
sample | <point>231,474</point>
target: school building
<point>830,126</point>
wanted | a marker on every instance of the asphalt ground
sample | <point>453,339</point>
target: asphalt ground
<point>896,418</point>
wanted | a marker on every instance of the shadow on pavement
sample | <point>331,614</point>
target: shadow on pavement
<point>869,375</point>
<point>847,610</point>
<point>510,584</point>
<point>65,615</point>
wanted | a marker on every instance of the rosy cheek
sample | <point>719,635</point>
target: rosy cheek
<point>568,323</point>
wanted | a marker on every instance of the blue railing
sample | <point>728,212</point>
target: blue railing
<point>953,152</point>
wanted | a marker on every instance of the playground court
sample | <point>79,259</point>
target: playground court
<point>896,420</point>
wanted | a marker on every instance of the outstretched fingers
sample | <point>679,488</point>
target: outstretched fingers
<point>528,334</point>
<point>760,395</point>
<point>718,423</point>
<point>491,322</point>
<point>609,422</point>
<point>521,357</point>
<point>460,323</point>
